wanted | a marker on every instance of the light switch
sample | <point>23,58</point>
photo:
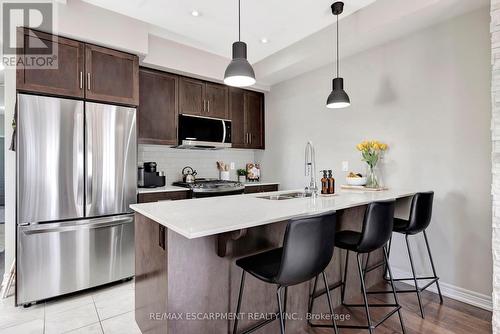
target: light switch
<point>231,166</point>
<point>345,166</point>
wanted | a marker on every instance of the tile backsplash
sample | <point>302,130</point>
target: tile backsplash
<point>172,161</point>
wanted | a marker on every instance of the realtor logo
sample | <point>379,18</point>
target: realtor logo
<point>32,47</point>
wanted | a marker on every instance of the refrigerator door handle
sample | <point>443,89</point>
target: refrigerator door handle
<point>88,168</point>
<point>37,229</point>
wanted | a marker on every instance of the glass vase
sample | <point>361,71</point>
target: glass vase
<point>372,178</point>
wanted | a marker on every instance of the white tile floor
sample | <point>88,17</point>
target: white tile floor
<point>107,310</point>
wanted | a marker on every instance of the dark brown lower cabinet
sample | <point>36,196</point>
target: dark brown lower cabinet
<point>261,188</point>
<point>163,196</point>
<point>158,107</point>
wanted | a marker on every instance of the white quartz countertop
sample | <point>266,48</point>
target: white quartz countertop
<point>201,217</point>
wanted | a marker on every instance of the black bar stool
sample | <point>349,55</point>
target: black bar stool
<point>307,250</point>
<point>376,232</point>
<point>419,220</point>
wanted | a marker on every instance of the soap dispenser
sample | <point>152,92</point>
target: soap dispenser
<point>331,183</point>
<point>324,183</point>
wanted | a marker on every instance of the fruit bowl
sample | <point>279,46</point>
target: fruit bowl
<point>356,181</point>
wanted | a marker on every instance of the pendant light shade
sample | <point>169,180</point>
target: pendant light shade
<point>239,72</point>
<point>338,98</point>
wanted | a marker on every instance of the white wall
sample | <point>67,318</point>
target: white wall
<point>428,96</point>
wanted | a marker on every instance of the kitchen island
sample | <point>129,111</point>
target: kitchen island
<point>186,279</point>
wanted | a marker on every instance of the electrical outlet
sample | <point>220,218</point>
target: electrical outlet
<point>345,166</point>
<point>231,166</point>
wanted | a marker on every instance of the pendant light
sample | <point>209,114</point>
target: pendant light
<point>338,98</point>
<point>239,72</point>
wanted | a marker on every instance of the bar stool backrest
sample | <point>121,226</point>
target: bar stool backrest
<point>377,226</point>
<point>420,211</point>
<point>307,248</point>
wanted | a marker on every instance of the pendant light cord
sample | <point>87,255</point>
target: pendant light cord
<point>337,46</point>
<point>239,20</point>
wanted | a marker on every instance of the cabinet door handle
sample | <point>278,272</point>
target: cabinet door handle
<point>161,237</point>
<point>208,106</point>
<point>88,81</point>
<point>204,105</point>
<point>81,79</point>
<point>250,138</point>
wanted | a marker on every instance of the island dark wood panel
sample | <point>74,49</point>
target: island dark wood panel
<point>199,282</point>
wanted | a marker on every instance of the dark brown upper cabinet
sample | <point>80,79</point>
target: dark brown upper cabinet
<point>111,76</point>
<point>191,96</point>
<point>254,115</point>
<point>217,100</point>
<point>247,116</point>
<point>158,107</point>
<point>66,79</point>
<point>237,108</point>
<point>82,71</point>
<point>201,98</point>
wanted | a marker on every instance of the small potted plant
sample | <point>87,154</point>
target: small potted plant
<point>242,175</point>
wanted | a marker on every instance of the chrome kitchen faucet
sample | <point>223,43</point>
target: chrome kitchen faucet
<point>310,169</point>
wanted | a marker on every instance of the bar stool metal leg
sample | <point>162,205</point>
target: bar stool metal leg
<point>284,306</point>
<point>238,308</point>
<point>433,268</point>
<point>414,277</point>
<point>281,315</point>
<point>311,301</point>
<point>344,278</point>
<point>365,297</point>
<point>330,306</point>
<point>386,256</point>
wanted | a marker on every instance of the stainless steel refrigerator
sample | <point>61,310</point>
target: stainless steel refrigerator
<point>76,177</point>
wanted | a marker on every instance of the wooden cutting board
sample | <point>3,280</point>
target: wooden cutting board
<point>362,188</point>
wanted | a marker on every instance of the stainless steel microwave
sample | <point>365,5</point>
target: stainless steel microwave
<point>198,132</point>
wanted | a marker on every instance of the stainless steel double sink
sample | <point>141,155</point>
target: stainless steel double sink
<point>285,196</point>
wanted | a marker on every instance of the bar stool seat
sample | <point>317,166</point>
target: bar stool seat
<point>348,240</point>
<point>375,233</point>
<point>404,226</point>
<point>400,225</point>
<point>307,250</point>
<point>264,266</point>
<point>419,219</point>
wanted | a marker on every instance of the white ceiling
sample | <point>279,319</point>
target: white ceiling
<point>282,22</point>
<point>382,22</point>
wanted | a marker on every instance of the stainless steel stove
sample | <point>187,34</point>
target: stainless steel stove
<point>212,187</point>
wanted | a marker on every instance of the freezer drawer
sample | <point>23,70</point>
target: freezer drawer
<point>59,258</point>
<point>111,159</point>
<point>50,159</point>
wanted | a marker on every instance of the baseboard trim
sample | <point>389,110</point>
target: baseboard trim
<point>454,292</point>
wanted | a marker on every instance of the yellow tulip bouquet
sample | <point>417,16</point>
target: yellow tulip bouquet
<point>371,152</point>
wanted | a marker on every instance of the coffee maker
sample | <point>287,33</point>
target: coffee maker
<point>148,177</point>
